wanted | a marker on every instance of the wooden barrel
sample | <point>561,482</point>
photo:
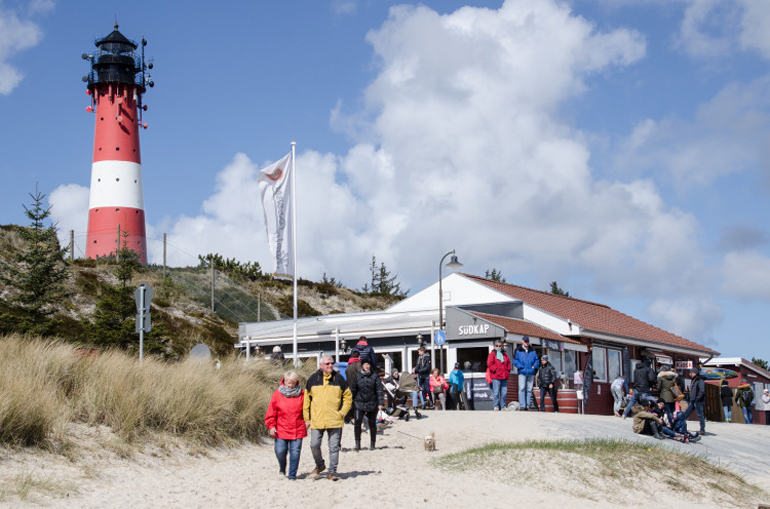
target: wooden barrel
<point>567,399</point>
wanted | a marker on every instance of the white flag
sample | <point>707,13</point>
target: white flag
<point>275,186</point>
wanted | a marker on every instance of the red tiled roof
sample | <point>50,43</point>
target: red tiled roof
<point>524,327</point>
<point>592,316</point>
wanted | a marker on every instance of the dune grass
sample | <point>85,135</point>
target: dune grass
<point>45,385</point>
<point>590,466</point>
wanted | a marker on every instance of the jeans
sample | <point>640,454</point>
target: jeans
<point>424,382</point>
<point>335,437</point>
<point>670,408</point>
<point>293,447</point>
<point>698,406</point>
<point>499,393</point>
<point>617,396</point>
<point>525,389</point>
<point>634,400</point>
<point>552,393</point>
<point>748,415</point>
<point>728,412</point>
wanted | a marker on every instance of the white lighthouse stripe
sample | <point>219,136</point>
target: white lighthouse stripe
<point>116,184</point>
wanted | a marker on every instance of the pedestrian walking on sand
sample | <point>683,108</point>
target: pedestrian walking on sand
<point>546,379</point>
<point>327,401</point>
<point>697,398</point>
<point>285,423</point>
<point>366,389</point>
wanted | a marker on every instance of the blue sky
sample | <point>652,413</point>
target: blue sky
<point>618,147</point>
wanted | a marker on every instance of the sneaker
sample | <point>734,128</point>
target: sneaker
<point>496,409</point>
<point>332,477</point>
<point>316,472</point>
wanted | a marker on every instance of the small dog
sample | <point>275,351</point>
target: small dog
<point>513,406</point>
<point>429,442</point>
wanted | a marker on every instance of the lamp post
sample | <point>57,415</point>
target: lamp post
<point>453,264</point>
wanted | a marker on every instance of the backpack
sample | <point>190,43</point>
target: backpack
<point>747,396</point>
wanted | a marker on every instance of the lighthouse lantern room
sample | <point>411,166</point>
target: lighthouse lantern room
<point>117,80</point>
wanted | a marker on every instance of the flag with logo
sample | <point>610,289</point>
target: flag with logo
<point>275,186</point>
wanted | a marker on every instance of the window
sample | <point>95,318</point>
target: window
<point>473,359</point>
<point>570,363</point>
<point>600,364</point>
<point>614,364</point>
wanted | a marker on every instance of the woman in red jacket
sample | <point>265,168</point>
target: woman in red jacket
<point>498,367</point>
<point>285,424</point>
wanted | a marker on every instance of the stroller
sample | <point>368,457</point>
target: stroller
<point>399,395</point>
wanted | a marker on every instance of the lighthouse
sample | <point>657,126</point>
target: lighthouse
<point>117,80</point>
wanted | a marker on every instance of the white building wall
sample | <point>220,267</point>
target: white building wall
<point>458,291</point>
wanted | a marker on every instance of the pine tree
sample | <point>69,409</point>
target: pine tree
<point>37,273</point>
<point>558,291</point>
<point>495,275</point>
<point>382,282</point>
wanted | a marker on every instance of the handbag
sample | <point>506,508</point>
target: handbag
<point>677,392</point>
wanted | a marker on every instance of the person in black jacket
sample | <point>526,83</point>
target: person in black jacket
<point>422,370</point>
<point>726,395</point>
<point>644,376</point>
<point>546,379</point>
<point>366,388</point>
<point>366,352</point>
<point>697,398</point>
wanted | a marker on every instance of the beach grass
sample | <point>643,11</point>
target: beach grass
<point>44,385</point>
<point>591,466</point>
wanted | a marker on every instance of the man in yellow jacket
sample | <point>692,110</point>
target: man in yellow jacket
<point>327,401</point>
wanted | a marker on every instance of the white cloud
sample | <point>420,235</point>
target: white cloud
<point>721,139</point>
<point>692,318</point>
<point>69,210</point>
<point>747,275</point>
<point>15,35</point>
<point>755,23</point>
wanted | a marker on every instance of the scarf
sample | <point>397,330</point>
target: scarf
<point>290,393</point>
<point>500,356</point>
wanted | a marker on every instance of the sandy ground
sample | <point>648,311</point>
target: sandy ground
<point>399,472</point>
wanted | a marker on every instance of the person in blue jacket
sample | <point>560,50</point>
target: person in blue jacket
<point>526,362</point>
<point>456,385</point>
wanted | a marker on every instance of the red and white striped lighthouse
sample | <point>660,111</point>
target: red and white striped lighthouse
<point>116,206</point>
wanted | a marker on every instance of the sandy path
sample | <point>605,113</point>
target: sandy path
<point>399,472</point>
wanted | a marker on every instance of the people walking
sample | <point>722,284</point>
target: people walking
<point>546,379</point>
<point>499,366</point>
<point>644,376</point>
<point>327,401</point>
<point>366,389</point>
<point>726,395</point>
<point>697,398</point>
<point>285,424</point>
<point>526,362</point>
<point>744,396</point>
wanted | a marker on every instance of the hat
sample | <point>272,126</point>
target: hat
<point>457,366</point>
<point>544,358</point>
<point>693,371</point>
<point>525,339</point>
<point>743,380</point>
<point>767,390</point>
<point>276,349</point>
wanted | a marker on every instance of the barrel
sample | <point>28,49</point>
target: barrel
<point>567,399</point>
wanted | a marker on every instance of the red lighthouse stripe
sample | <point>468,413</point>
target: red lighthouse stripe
<point>103,225</point>
<point>116,136</point>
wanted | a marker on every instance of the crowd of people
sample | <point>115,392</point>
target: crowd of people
<point>330,400</point>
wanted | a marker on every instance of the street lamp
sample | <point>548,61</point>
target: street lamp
<point>453,264</point>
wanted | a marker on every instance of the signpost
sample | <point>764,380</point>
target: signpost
<point>440,338</point>
<point>143,296</point>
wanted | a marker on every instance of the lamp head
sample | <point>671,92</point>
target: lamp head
<point>454,263</point>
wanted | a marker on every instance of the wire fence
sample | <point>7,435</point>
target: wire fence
<point>230,301</point>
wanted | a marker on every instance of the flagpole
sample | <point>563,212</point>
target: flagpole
<point>294,240</point>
